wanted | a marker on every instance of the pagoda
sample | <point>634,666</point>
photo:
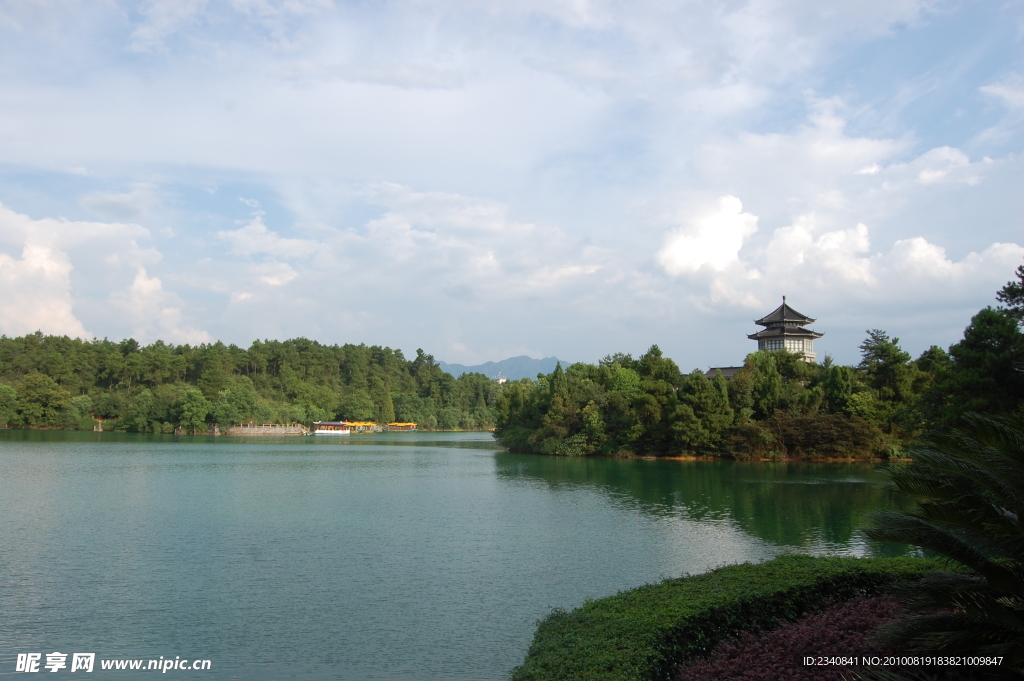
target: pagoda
<point>784,330</point>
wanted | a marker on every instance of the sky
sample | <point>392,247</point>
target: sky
<point>491,178</point>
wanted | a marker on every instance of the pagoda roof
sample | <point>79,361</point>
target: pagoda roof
<point>783,313</point>
<point>784,332</point>
<point>727,372</point>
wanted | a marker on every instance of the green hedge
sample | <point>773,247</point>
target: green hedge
<point>641,634</point>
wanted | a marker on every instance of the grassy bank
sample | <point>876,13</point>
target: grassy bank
<point>641,634</point>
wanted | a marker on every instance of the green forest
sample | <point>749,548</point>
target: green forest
<point>66,383</point>
<point>777,405</point>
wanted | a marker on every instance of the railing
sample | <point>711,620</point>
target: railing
<point>268,429</point>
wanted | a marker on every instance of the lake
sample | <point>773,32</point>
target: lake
<point>419,556</point>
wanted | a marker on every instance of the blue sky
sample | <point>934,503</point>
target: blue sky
<point>489,178</point>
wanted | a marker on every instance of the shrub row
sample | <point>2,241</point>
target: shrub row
<point>842,631</point>
<point>644,633</point>
<point>827,436</point>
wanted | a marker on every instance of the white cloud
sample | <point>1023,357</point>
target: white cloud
<point>507,158</point>
<point>940,163</point>
<point>398,75</point>
<point>917,260</point>
<point>839,264</point>
<point>1011,92</point>
<point>712,242</point>
<point>428,258</point>
<point>162,19</point>
<point>443,211</point>
<point>37,293</point>
<point>817,165</point>
<point>255,238</point>
<point>133,205</point>
<point>154,313</point>
<point>41,292</point>
<point>303,76</point>
<point>16,228</point>
<point>276,274</point>
<point>465,241</point>
<point>836,255</point>
<point>37,286</point>
<point>434,258</point>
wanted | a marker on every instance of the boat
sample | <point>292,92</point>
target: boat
<point>331,428</point>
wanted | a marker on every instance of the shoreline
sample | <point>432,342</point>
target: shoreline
<point>645,632</point>
<point>813,459</point>
<point>223,434</point>
<point>786,459</point>
<point>639,457</point>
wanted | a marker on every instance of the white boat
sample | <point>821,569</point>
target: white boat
<point>331,428</point>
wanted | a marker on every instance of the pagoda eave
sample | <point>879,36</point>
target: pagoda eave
<point>784,332</point>
<point>784,314</point>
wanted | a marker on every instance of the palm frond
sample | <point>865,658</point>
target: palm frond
<point>969,488</point>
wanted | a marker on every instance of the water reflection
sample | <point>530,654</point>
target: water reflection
<point>819,507</point>
<point>405,556</point>
<point>447,439</point>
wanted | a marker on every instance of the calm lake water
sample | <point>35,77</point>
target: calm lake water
<point>396,556</point>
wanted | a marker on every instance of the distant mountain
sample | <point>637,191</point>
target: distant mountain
<point>512,368</point>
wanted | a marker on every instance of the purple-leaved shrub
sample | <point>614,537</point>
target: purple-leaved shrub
<point>840,630</point>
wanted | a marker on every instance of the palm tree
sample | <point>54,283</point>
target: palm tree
<point>969,486</point>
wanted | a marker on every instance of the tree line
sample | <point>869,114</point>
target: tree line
<point>777,405</point>
<point>67,383</point>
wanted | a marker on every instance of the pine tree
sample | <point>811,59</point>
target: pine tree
<point>1012,296</point>
<point>194,410</point>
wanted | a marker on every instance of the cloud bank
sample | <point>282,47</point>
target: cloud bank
<point>485,178</point>
<point>39,292</point>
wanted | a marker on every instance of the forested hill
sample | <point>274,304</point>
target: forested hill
<point>776,406</point>
<point>61,382</point>
<point>513,368</point>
